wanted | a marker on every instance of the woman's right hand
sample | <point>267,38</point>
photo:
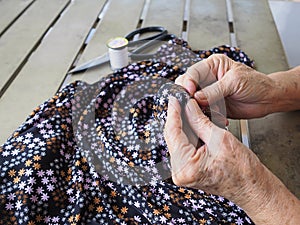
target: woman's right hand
<point>224,166</point>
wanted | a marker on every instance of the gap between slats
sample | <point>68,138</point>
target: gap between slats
<point>89,37</point>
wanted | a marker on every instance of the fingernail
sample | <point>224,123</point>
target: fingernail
<point>189,86</point>
<point>227,122</point>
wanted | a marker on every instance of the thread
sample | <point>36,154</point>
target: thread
<point>118,52</point>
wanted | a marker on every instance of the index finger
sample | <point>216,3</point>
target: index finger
<point>204,73</point>
<point>196,77</point>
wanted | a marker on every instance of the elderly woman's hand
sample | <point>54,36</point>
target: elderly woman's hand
<point>218,165</point>
<point>224,166</point>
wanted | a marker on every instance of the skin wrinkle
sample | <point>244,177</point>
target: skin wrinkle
<point>289,101</point>
<point>265,199</point>
<point>205,79</point>
<point>226,81</point>
<point>246,81</point>
<point>295,85</point>
<point>221,69</point>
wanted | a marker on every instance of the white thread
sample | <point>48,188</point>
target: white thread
<point>118,52</point>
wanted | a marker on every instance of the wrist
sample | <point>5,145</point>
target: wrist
<point>255,191</point>
<point>286,92</point>
<point>268,201</point>
<point>281,99</point>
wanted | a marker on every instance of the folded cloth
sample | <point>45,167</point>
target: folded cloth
<point>95,153</point>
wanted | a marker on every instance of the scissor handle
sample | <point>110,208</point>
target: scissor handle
<point>135,54</point>
<point>144,30</point>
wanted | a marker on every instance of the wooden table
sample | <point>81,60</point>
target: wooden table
<point>41,40</point>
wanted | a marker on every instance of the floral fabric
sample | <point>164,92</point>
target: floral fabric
<point>95,153</point>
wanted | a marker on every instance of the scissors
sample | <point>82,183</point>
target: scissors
<point>161,34</point>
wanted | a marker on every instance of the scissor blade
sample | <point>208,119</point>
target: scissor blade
<point>92,63</point>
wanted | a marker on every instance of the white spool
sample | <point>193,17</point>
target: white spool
<point>118,52</point>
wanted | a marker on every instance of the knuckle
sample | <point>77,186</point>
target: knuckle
<point>179,80</point>
<point>192,71</point>
<point>176,181</point>
<point>185,175</point>
<point>216,58</point>
<point>180,179</point>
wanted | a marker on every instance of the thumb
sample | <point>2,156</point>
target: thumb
<point>200,124</point>
<point>206,130</point>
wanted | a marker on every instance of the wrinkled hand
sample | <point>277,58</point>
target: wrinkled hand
<point>222,166</point>
<point>247,92</point>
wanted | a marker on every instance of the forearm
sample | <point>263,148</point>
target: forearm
<point>269,202</point>
<point>286,95</point>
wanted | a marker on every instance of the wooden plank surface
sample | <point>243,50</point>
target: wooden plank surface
<point>10,10</point>
<point>208,25</point>
<point>107,28</point>
<point>46,68</point>
<point>276,141</point>
<point>274,138</point>
<point>18,42</point>
<point>168,14</point>
<point>257,35</point>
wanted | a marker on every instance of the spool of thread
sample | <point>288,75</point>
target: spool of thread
<point>118,52</point>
